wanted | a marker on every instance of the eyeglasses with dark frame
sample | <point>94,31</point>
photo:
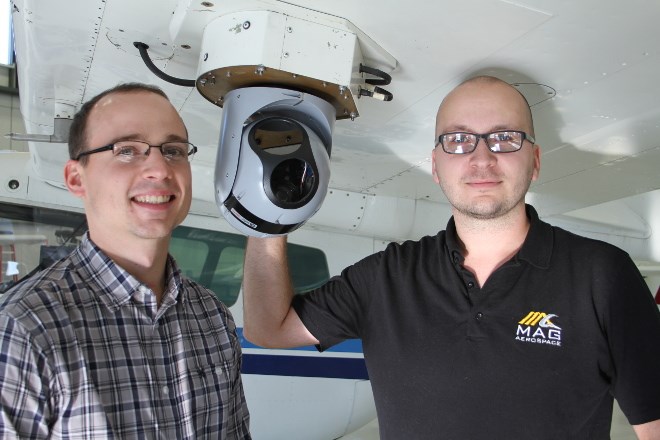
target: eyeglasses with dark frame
<point>505,141</point>
<point>130,151</point>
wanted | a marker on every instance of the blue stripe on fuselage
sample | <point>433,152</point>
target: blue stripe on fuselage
<point>306,366</point>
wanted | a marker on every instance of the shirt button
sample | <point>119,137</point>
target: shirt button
<point>470,284</point>
<point>165,390</point>
<point>143,289</point>
<point>478,316</point>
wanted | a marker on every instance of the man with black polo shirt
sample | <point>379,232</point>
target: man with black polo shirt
<point>501,326</point>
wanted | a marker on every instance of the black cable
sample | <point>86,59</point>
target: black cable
<point>377,93</point>
<point>384,80</point>
<point>142,48</point>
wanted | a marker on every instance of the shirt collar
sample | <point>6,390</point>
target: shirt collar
<point>113,285</point>
<point>453,244</point>
<point>538,245</point>
<point>536,249</point>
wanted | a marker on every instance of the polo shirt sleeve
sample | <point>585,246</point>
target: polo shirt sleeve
<point>336,311</point>
<point>632,324</point>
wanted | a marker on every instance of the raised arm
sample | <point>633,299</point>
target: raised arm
<point>648,431</point>
<point>269,319</point>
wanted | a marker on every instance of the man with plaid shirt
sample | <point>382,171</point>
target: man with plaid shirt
<point>113,341</point>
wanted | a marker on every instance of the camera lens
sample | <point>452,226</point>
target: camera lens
<point>292,181</point>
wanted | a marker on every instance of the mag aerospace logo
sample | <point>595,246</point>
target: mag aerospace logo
<point>538,328</point>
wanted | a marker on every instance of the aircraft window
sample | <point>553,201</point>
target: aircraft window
<point>215,259</point>
<point>308,267</point>
<point>32,238</point>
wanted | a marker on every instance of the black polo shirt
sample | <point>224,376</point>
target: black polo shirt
<point>537,352</point>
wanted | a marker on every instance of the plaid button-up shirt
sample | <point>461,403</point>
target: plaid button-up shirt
<point>87,353</point>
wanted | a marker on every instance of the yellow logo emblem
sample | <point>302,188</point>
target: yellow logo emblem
<point>546,332</point>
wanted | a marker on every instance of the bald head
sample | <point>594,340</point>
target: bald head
<point>480,100</point>
<point>483,184</point>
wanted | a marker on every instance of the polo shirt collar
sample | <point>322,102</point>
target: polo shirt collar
<point>536,249</point>
<point>538,245</point>
<point>453,245</point>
